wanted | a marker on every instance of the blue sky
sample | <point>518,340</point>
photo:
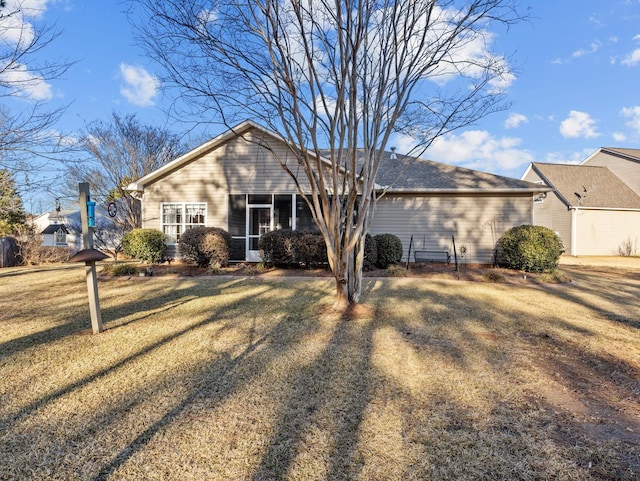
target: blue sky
<point>575,86</point>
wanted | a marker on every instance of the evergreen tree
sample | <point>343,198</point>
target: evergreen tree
<point>12,213</point>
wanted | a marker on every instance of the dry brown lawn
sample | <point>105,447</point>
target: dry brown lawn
<point>237,378</point>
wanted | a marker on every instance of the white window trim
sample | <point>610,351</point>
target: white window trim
<point>184,216</point>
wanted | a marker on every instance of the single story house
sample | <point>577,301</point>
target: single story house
<point>592,210</point>
<point>234,183</point>
<point>63,228</point>
<point>55,235</point>
<point>56,228</point>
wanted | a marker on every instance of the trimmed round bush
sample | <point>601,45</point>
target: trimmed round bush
<point>148,245</point>
<point>205,246</point>
<point>370,252</point>
<point>286,248</point>
<point>530,248</point>
<point>278,247</point>
<point>389,249</point>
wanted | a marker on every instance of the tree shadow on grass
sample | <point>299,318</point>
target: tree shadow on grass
<point>79,322</point>
<point>329,395</point>
<point>264,343</point>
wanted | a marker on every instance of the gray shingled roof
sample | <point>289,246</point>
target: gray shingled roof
<point>412,174</point>
<point>53,228</point>
<point>596,186</point>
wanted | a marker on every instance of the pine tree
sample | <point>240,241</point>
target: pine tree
<point>12,212</point>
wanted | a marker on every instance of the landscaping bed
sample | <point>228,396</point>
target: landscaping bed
<point>467,272</point>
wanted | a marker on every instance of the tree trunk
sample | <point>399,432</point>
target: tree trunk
<point>349,278</point>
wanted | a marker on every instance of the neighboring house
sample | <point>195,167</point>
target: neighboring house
<point>63,228</point>
<point>593,211</point>
<point>57,230</point>
<point>233,183</point>
<point>55,235</point>
<point>624,163</point>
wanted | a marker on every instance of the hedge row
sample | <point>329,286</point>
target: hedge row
<point>207,246</point>
<point>286,248</point>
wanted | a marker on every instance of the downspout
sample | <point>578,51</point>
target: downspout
<point>574,231</point>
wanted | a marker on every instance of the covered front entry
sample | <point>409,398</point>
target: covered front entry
<point>252,215</point>
<point>259,221</point>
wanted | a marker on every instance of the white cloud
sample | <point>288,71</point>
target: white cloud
<point>568,158</point>
<point>17,34</point>
<point>632,113</point>
<point>141,87</point>
<point>632,59</point>
<point>619,137</point>
<point>471,57</point>
<point>26,83</point>
<point>578,124</point>
<point>478,149</point>
<point>515,120</point>
<point>593,48</point>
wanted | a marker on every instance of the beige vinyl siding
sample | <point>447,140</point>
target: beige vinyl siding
<point>602,232</point>
<point>627,170</point>
<point>552,213</point>
<point>237,167</point>
<point>476,221</point>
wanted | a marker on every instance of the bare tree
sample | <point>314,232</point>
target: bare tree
<point>120,151</point>
<point>27,135</point>
<point>335,79</point>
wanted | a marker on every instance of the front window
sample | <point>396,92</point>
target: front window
<point>179,216</point>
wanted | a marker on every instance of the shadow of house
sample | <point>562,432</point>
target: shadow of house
<point>236,182</point>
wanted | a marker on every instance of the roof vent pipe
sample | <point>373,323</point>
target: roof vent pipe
<point>393,154</point>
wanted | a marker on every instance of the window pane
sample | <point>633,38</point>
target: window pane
<point>194,214</point>
<point>282,214</point>
<point>168,214</point>
<point>304,220</point>
<point>237,215</point>
<point>237,249</point>
<point>171,232</point>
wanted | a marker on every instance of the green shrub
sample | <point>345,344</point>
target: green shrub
<point>206,246</point>
<point>148,245</point>
<point>312,250</point>
<point>286,248</point>
<point>278,247</point>
<point>530,248</point>
<point>389,249</point>
<point>370,252</point>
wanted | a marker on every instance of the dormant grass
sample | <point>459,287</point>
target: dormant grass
<point>257,379</point>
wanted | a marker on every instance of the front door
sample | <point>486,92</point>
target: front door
<point>260,221</point>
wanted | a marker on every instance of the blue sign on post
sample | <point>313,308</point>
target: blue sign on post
<point>91,213</point>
